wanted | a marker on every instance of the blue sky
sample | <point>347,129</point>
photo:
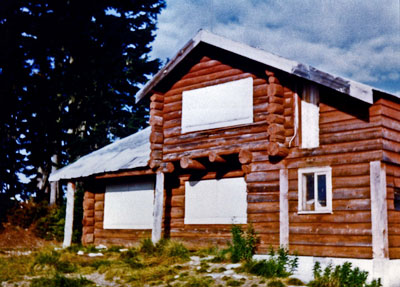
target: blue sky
<point>359,40</point>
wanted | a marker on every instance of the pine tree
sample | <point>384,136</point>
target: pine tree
<point>70,69</point>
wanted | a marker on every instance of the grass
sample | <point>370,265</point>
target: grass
<point>61,281</point>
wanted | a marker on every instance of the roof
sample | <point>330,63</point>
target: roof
<point>127,153</point>
<point>355,89</point>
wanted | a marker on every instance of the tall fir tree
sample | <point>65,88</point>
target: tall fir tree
<point>70,70</point>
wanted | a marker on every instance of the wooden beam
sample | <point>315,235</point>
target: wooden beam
<point>214,157</point>
<point>189,163</point>
<point>69,215</point>
<point>158,208</point>
<point>379,216</point>
<point>125,173</point>
<point>283,208</point>
<point>245,156</point>
<point>167,167</point>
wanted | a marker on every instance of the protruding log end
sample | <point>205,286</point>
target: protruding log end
<point>214,157</point>
<point>167,167</point>
<point>245,156</point>
<point>188,163</point>
<point>276,149</point>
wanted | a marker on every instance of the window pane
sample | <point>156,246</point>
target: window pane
<point>322,189</point>
<point>309,191</point>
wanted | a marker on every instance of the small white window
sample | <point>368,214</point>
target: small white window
<point>222,201</point>
<point>315,190</point>
<point>310,117</point>
<point>129,206</point>
<point>218,106</point>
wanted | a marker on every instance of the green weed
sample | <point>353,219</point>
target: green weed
<point>243,243</point>
<point>278,265</point>
<point>276,283</point>
<point>341,276</point>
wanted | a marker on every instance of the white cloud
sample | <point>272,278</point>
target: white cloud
<point>355,39</point>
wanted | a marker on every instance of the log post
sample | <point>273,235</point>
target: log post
<point>69,215</point>
<point>379,216</point>
<point>158,208</point>
<point>283,208</point>
<point>188,163</point>
<point>54,184</point>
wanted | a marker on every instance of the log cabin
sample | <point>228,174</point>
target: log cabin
<point>238,135</point>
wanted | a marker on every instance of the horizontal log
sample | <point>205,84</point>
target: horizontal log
<point>351,136</point>
<point>273,80</point>
<point>276,129</point>
<point>263,197</point>
<point>262,107</point>
<point>172,107</point>
<point>274,108</point>
<point>208,70</point>
<point>188,163</point>
<point>321,229</point>
<point>214,157</point>
<point>331,251</point>
<point>263,217</point>
<point>260,91</point>
<point>204,65</point>
<point>288,112</point>
<point>276,100</point>
<point>156,154</point>
<point>88,195</point>
<point>216,81</point>
<point>331,240</point>
<point>87,229</point>
<point>336,217</point>
<point>156,137</point>
<point>275,90</point>
<point>155,163</point>
<point>245,156</point>
<point>272,175</point>
<point>156,121</point>
<point>99,196</point>
<point>156,113</point>
<point>88,212</point>
<point>157,98</point>
<point>167,167</point>
<point>277,149</point>
<point>275,119</point>
<point>156,106</point>
<point>88,203</point>
<point>173,115</point>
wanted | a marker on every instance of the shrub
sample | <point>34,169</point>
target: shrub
<point>51,226</point>
<point>147,246</point>
<point>341,276</point>
<point>176,250</point>
<point>243,243</point>
<point>294,282</point>
<point>25,213</point>
<point>61,281</point>
<point>278,265</point>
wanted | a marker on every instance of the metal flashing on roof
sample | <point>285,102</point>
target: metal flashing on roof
<point>127,153</point>
<point>355,89</point>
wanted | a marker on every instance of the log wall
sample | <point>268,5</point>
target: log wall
<point>271,114</point>
<point>348,142</point>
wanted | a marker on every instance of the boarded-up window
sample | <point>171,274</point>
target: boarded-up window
<point>218,106</point>
<point>315,190</point>
<point>222,201</point>
<point>129,206</point>
<point>310,117</point>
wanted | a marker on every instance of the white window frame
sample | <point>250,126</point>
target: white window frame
<point>216,201</point>
<point>327,171</point>
<point>129,206</point>
<point>310,117</point>
<point>222,105</point>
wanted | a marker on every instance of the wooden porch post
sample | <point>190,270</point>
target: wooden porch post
<point>158,208</point>
<point>283,208</point>
<point>379,215</point>
<point>69,214</point>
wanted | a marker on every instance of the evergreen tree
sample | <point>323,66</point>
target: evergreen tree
<point>70,70</point>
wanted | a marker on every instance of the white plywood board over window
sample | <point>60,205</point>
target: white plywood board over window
<point>222,201</point>
<point>129,206</point>
<point>218,106</point>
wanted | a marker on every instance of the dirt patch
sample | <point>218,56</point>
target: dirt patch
<point>12,237</point>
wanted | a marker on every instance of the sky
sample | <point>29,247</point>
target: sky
<point>358,40</point>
